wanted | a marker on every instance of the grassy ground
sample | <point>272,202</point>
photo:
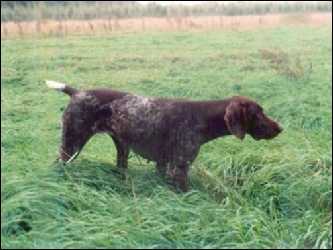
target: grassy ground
<point>243,194</point>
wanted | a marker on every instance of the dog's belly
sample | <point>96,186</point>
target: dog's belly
<point>174,149</point>
<point>146,151</point>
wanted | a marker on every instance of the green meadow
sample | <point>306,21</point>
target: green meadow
<point>243,194</point>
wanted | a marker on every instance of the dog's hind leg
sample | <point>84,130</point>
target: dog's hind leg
<point>75,134</point>
<point>72,144</point>
<point>122,152</point>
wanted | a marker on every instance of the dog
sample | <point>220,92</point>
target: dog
<point>169,132</point>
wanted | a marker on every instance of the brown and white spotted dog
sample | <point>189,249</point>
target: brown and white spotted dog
<point>166,131</point>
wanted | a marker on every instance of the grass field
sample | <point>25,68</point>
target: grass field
<point>244,194</point>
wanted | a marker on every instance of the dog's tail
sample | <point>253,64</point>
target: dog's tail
<point>61,87</point>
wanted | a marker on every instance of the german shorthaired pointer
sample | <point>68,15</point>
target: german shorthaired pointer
<point>166,131</point>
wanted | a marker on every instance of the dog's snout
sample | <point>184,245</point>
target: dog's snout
<point>279,129</point>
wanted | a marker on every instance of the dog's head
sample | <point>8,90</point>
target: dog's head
<point>246,116</point>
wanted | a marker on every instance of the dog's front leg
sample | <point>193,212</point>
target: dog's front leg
<point>161,168</point>
<point>178,176</point>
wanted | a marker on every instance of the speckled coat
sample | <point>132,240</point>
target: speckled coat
<point>166,131</point>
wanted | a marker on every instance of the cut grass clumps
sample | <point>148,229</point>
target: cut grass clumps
<point>243,194</point>
<point>291,67</point>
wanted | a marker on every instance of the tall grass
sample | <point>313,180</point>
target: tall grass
<point>249,194</point>
<point>46,28</point>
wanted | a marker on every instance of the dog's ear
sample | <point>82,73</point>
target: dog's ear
<point>235,119</point>
<point>104,111</point>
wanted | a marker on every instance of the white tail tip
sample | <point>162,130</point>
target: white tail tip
<point>55,85</point>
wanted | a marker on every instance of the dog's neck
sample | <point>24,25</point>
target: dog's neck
<point>213,113</point>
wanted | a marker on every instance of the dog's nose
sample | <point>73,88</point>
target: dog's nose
<point>279,129</point>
